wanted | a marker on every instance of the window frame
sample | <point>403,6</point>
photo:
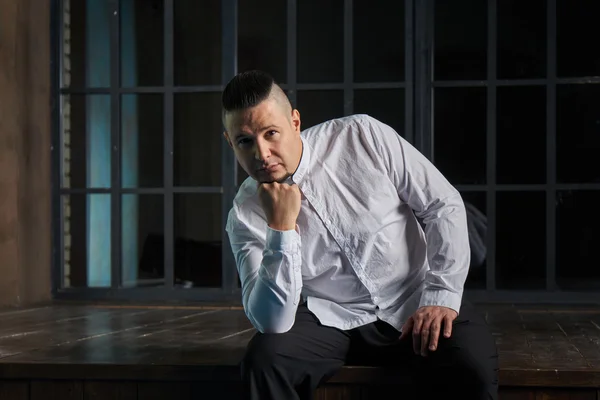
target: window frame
<point>419,91</point>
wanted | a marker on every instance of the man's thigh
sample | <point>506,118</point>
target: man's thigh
<point>468,356</point>
<point>471,342</point>
<point>467,360</point>
<point>307,348</point>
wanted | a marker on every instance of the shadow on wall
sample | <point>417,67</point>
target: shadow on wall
<point>477,226</point>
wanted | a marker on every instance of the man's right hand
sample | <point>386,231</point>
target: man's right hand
<point>281,203</point>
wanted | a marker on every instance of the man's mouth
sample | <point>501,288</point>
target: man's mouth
<point>270,167</point>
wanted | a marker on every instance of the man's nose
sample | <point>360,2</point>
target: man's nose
<point>261,151</point>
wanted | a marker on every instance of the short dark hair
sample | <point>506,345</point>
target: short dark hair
<point>246,90</point>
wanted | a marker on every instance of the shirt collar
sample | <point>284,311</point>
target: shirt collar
<point>304,163</point>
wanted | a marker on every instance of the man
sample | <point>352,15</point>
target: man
<point>351,248</point>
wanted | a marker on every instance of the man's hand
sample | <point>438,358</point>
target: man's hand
<point>425,326</point>
<point>281,203</point>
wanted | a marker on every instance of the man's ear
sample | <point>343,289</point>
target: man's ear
<point>227,138</point>
<point>296,123</point>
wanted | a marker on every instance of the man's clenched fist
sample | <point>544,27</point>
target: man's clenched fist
<point>281,203</point>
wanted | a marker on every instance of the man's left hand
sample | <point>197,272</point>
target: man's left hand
<point>426,324</point>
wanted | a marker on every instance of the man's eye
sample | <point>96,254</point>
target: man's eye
<point>271,133</point>
<point>243,142</point>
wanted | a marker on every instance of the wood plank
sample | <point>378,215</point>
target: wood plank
<point>543,347</point>
<point>100,328</point>
<point>121,372</point>
<point>56,390</point>
<point>343,392</point>
<point>187,339</point>
<point>14,390</point>
<point>566,394</point>
<point>217,390</point>
<point>110,390</point>
<point>46,317</point>
<point>63,330</point>
<point>164,390</point>
<point>512,393</point>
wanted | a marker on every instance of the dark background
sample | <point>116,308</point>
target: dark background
<point>502,96</point>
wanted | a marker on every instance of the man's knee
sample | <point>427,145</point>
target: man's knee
<point>472,361</point>
<point>477,370</point>
<point>463,373</point>
<point>264,351</point>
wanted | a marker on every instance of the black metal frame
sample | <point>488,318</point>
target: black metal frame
<point>228,291</point>
<point>425,131</point>
<point>419,91</point>
<point>55,150</point>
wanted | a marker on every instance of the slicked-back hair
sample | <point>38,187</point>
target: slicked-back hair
<point>246,90</point>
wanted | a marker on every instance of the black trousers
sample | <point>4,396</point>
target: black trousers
<point>292,365</point>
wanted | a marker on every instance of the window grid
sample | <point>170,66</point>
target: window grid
<point>551,146</point>
<point>168,144</point>
<point>425,92</point>
<point>115,145</point>
<point>490,274</point>
<point>419,91</point>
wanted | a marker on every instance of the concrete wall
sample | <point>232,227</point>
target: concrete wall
<point>25,234</point>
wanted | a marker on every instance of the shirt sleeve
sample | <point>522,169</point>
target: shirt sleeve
<point>270,275</point>
<point>441,209</point>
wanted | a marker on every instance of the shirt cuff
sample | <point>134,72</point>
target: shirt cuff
<point>441,298</point>
<point>282,240</point>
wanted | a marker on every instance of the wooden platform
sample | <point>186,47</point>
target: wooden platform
<point>139,352</point>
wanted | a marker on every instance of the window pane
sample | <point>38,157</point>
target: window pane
<point>197,42</point>
<point>521,39</point>
<point>198,139</point>
<point>320,41</point>
<point>142,140</point>
<point>386,105</point>
<point>198,240</point>
<point>383,62</point>
<point>577,240</point>
<point>86,44</point>
<point>521,135</point>
<point>317,106</point>
<point>142,240</point>
<point>460,134</point>
<point>86,240</point>
<point>577,24</point>
<point>460,39</point>
<point>577,131</point>
<point>475,203</point>
<point>521,240</point>
<point>86,141</point>
<point>142,42</point>
<point>262,37</point>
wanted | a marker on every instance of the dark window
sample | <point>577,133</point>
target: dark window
<point>502,96</point>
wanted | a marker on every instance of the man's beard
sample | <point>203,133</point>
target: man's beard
<point>281,180</point>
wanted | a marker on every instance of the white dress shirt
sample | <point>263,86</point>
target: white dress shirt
<point>358,252</point>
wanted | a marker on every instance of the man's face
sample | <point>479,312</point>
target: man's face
<point>266,140</point>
